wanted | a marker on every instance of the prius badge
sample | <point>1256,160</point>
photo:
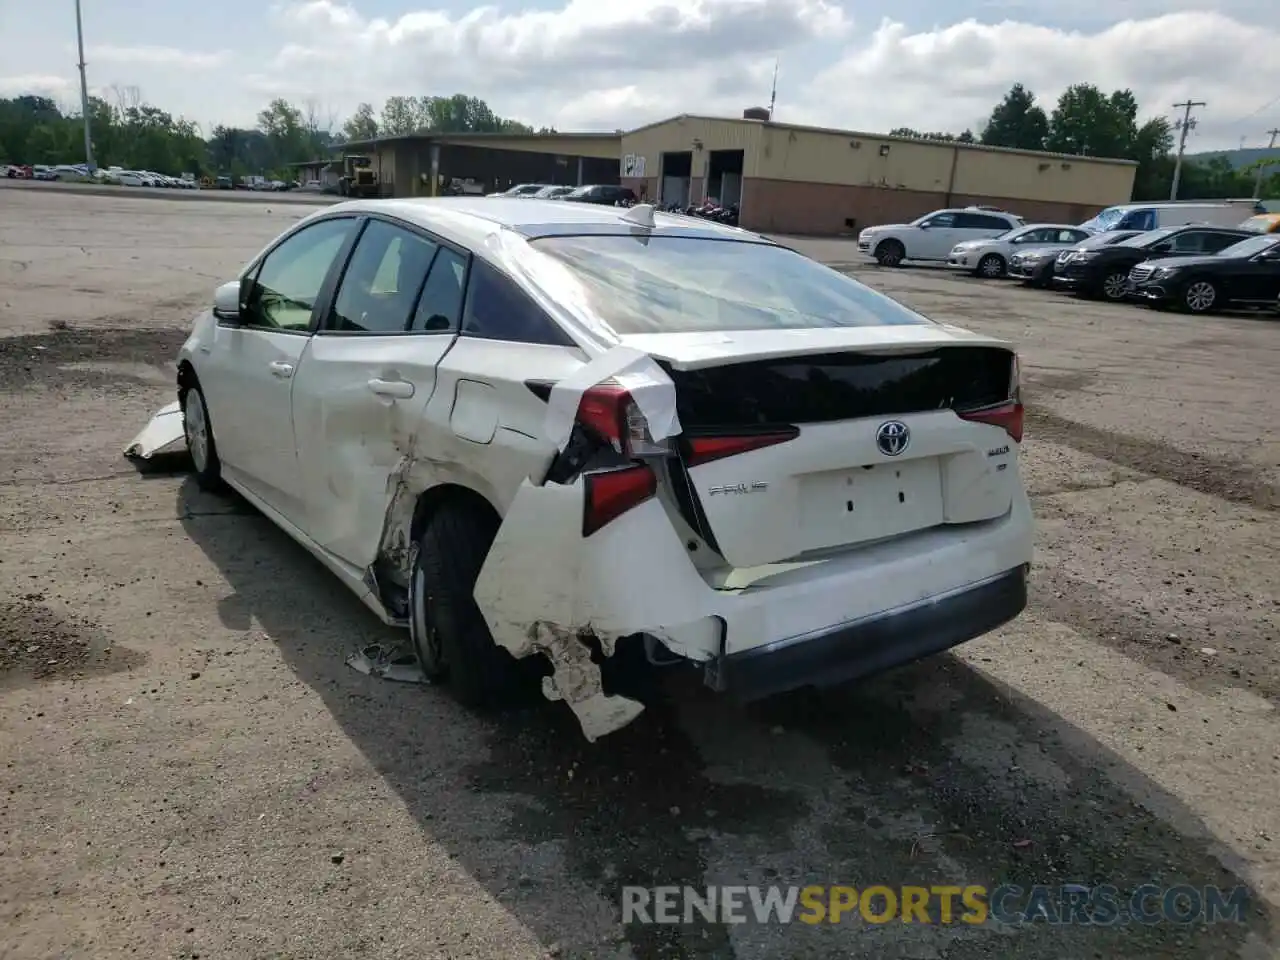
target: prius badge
<point>892,438</point>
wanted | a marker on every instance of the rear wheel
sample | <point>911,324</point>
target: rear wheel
<point>1113,285</point>
<point>1200,296</point>
<point>449,632</point>
<point>890,253</point>
<point>992,266</point>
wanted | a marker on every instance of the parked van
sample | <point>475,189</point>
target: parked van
<point>1262,223</point>
<point>1173,213</point>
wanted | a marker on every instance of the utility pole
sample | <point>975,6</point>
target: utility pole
<point>1262,165</point>
<point>84,93</point>
<point>1185,125</point>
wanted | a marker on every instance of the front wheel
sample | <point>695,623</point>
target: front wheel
<point>198,430</point>
<point>1200,296</point>
<point>1113,285</point>
<point>890,253</point>
<point>992,266</point>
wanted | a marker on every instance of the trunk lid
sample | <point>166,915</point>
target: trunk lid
<point>835,437</point>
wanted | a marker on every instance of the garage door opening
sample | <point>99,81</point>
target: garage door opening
<point>724,176</point>
<point>677,169</point>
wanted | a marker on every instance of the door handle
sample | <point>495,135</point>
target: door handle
<point>281,369</point>
<point>395,389</point>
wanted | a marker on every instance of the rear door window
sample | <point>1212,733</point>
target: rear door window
<point>1216,242</point>
<point>380,285</point>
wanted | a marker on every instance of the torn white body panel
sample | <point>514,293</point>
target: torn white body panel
<point>163,435</point>
<point>649,387</point>
<point>544,583</point>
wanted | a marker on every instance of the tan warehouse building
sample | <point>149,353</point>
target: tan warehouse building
<point>811,180</point>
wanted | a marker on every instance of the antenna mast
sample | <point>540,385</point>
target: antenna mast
<point>773,95</point>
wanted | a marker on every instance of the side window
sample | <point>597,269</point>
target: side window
<point>440,305</point>
<point>1034,236</point>
<point>1214,242</point>
<point>498,310</point>
<point>1190,242</point>
<point>288,283</point>
<point>941,220</point>
<point>382,280</point>
<point>1072,236</point>
<point>1140,220</point>
<point>980,221</point>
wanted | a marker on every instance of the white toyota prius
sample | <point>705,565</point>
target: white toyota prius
<point>520,428</point>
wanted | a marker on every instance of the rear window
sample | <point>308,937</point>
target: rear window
<point>656,284</point>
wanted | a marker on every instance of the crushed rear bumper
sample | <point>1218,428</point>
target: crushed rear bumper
<point>873,644</point>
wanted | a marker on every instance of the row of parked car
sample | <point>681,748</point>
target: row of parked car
<point>1150,254</point>
<point>605,194</point>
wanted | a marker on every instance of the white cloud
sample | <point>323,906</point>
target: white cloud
<point>156,56</point>
<point>588,63</point>
<point>45,85</point>
<point>949,78</point>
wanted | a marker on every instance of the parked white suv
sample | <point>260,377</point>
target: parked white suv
<point>524,427</point>
<point>990,257</point>
<point>933,236</point>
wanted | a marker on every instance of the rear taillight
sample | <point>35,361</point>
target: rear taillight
<point>612,493</point>
<point>1008,415</point>
<point>699,450</point>
<point>608,411</point>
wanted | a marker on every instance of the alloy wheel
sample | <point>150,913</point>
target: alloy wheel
<point>1200,296</point>
<point>196,427</point>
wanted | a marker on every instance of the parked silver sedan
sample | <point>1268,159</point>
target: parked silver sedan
<point>989,257</point>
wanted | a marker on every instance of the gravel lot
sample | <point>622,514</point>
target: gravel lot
<point>191,770</point>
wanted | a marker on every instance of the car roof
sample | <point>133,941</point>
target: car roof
<point>470,221</point>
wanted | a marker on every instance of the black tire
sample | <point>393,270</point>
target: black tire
<point>456,641</point>
<point>204,453</point>
<point>890,253</point>
<point>1199,295</point>
<point>992,267</point>
<point>1111,287</point>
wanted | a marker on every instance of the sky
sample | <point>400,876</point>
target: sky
<point>606,65</point>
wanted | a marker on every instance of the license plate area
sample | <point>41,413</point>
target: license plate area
<point>874,501</point>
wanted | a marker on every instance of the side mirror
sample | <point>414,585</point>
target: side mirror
<point>926,225</point>
<point>226,302</point>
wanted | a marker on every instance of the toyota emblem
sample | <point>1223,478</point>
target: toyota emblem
<point>892,438</point>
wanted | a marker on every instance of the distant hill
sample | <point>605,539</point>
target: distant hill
<point>1238,158</point>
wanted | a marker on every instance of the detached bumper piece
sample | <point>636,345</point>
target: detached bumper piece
<point>874,644</point>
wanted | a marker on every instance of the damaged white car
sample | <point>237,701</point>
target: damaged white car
<point>519,427</point>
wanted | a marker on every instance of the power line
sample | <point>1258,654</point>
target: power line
<point>1249,116</point>
<point>1262,167</point>
<point>1186,124</point>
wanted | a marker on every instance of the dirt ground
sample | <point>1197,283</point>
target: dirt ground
<point>190,770</point>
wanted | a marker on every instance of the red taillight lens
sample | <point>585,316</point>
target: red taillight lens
<point>1007,416</point>
<point>608,410</point>
<point>699,450</point>
<point>611,494</point>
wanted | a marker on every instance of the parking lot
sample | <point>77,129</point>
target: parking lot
<point>192,770</point>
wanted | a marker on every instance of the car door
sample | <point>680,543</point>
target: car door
<point>247,377</point>
<point>935,237</point>
<point>978,226</point>
<point>1257,279</point>
<point>366,378</point>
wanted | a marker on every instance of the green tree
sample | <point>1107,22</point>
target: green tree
<point>361,125</point>
<point>1017,121</point>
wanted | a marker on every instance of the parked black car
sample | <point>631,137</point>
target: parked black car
<point>1034,267</point>
<point>1244,274</point>
<point>606,194</point>
<point>1104,271</point>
